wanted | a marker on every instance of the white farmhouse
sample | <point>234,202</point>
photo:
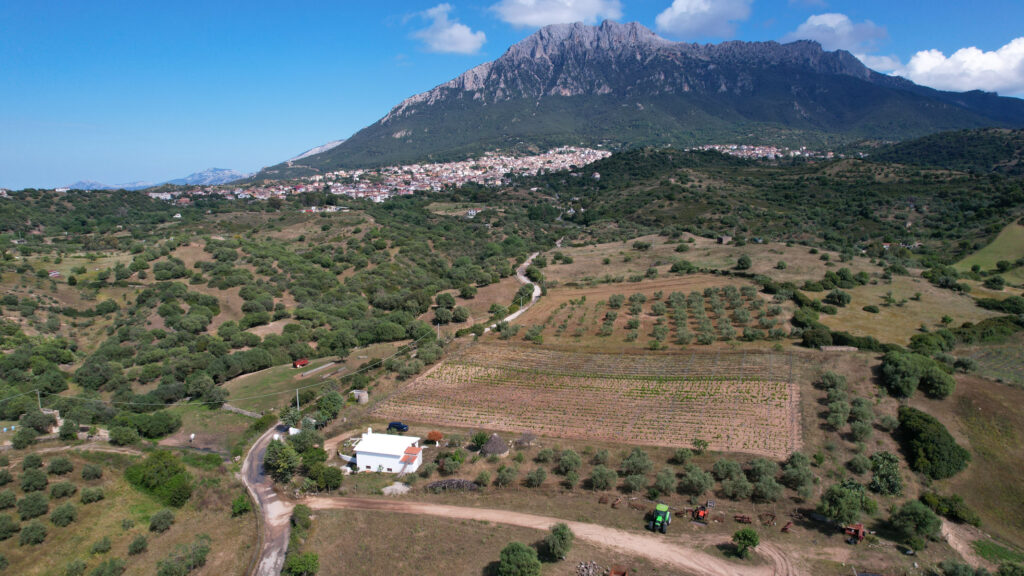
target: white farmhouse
<point>388,453</point>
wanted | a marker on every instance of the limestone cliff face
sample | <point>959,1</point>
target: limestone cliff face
<point>626,60</point>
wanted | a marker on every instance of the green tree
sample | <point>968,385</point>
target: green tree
<point>306,564</point>
<point>842,503</point>
<point>33,533</point>
<point>744,263</point>
<point>745,539</point>
<point>518,559</point>
<point>638,462</point>
<point>64,514</point>
<point>916,523</point>
<point>33,506</point>
<point>603,478</point>
<point>695,481</point>
<point>568,461</point>
<point>558,543</point>
<point>68,430</point>
<point>161,521</point>
<point>281,461</point>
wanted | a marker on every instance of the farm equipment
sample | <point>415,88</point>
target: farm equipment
<point>856,533</point>
<point>700,514</point>
<point>619,571</point>
<point>787,526</point>
<point>300,363</point>
<point>660,519</point>
<point>743,518</point>
<point>767,519</point>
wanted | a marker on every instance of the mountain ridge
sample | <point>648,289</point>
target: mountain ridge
<point>622,85</point>
<point>208,177</point>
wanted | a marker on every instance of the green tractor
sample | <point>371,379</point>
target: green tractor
<point>660,519</point>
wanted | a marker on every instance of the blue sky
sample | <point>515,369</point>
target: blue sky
<point>124,91</point>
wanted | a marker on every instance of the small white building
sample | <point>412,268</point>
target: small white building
<point>388,453</point>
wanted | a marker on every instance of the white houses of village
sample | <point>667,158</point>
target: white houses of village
<point>388,453</point>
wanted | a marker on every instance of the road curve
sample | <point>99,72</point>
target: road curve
<point>658,549</point>
<point>275,513</point>
<point>521,276</point>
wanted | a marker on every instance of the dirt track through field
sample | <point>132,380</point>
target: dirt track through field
<point>657,548</point>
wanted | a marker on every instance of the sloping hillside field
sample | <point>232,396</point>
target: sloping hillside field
<point>736,401</point>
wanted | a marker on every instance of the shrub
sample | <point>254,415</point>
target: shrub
<point>634,482</point>
<point>737,488</point>
<point>33,481</point>
<point>638,462</point>
<point>68,430</point>
<point>7,499</point>
<point>506,475</point>
<point>558,543</point>
<point>101,546</point>
<point>518,559</point>
<point>727,469</point>
<point>63,490</point>
<point>745,539</point>
<point>32,534</point>
<point>930,448</point>
<point>603,478</point>
<point>695,481</point>
<point>111,567</point>
<point>164,476</point>
<point>33,506</point>
<point>92,472</point>
<point>306,564</point>
<point>681,456</point>
<point>859,464</point>
<point>952,507</point>
<point>915,522</point>
<point>886,480</point>
<point>545,455</point>
<point>536,478</point>
<point>240,505</point>
<point>8,526</point>
<point>767,490</point>
<point>744,262</point>
<point>60,466</point>
<point>64,514</point>
<point>5,477</point>
<point>90,495</point>
<point>568,461</point>
<point>23,438</point>
<point>139,545</point>
<point>31,462</point>
<point>161,521</point>
<point>123,435</point>
<point>483,478</point>
<point>75,568</point>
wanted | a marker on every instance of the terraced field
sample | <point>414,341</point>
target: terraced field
<point>736,401</point>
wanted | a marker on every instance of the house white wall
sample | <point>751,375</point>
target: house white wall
<point>372,462</point>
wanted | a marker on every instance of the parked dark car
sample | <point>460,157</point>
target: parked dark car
<point>398,426</point>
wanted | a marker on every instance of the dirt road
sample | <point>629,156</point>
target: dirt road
<point>275,513</point>
<point>521,276</point>
<point>690,560</point>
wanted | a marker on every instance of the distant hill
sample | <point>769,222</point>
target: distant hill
<point>992,150</point>
<point>208,177</point>
<point>621,85</point>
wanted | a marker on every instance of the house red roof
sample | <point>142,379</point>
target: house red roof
<point>410,454</point>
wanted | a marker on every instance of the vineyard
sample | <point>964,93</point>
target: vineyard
<point>736,401</point>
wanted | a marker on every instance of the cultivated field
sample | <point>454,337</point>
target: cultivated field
<point>736,401</point>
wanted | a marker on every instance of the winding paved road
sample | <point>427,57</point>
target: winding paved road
<point>274,512</point>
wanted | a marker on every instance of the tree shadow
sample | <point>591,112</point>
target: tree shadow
<point>730,550</point>
<point>491,569</point>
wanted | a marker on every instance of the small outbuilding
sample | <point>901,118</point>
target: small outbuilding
<point>495,446</point>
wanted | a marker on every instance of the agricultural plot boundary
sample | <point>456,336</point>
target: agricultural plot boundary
<point>738,401</point>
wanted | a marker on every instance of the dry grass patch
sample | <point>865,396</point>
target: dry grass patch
<point>897,323</point>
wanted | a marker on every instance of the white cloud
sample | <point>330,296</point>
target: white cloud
<point>444,35</point>
<point>702,18</point>
<point>530,13</point>
<point>1001,70</point>
<point>837,32</point>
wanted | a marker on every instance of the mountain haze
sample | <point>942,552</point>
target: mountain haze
<point>622,85</point>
